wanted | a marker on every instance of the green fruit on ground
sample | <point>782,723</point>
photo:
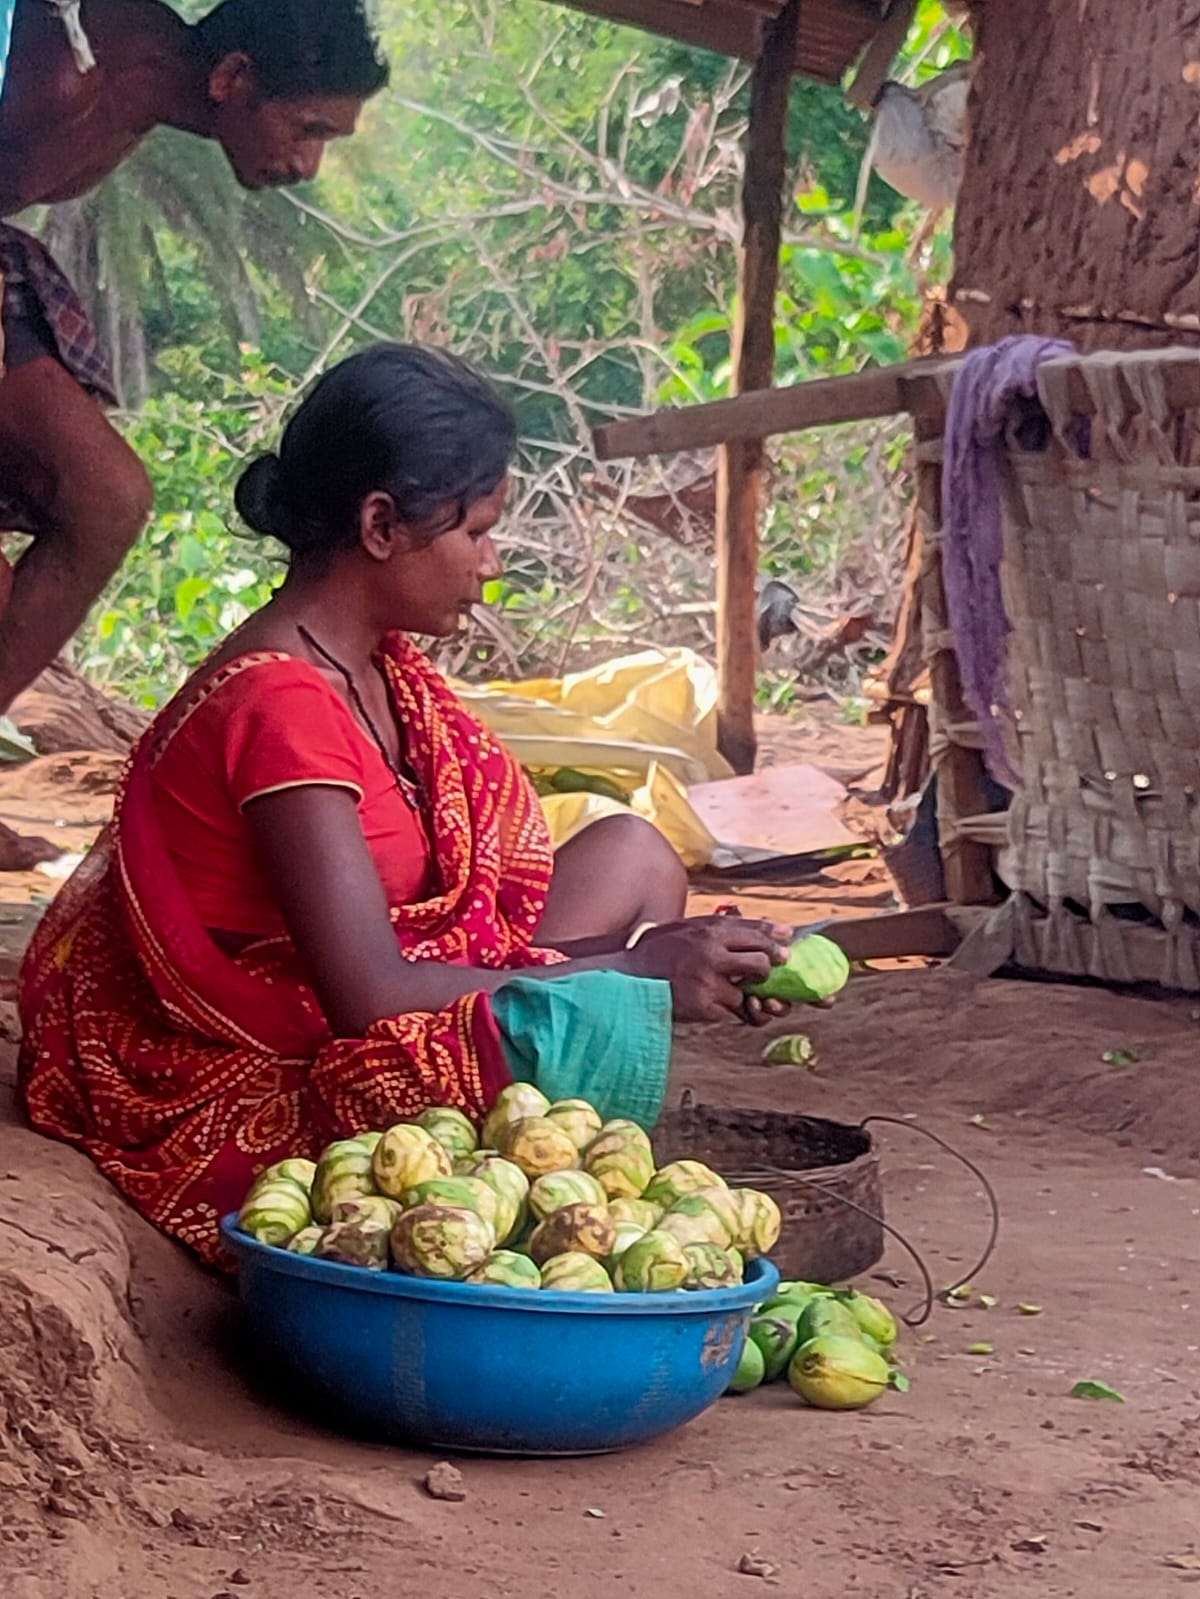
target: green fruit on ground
<point>628,1233</point>
<point>306,1240</point>
<point>460,1193</point>
<point>640,1212</point>
<point>453,1131</point>
<point>750,1369</point>
<point>655,1264</point>
<point>576,1230</point>
<point>538,1147</point>
<point>343,1172</point>
<point>579,1120</point>
<point>556,1189</point>
<point>872,1316</point>
<point>293,1170</point>
<point>815,969</point>
<point>406,1156</point>
<point>505,1269</point>
<point>356,1243</point>
<point>368,1207</point>
<point>777,1337</point>
<point>759,1223</point>
<point>621,1160</point>
<point>707,1216</point>
<point>440,1241</point>
<point>826,1317</point>
<point>516,1103</point>
<point>576,1274</point>
<point>790,1049</point>
<point>670,1183</point>
<point>274,1212</point>
<point>838,1374</point>
<point>710,1267</point>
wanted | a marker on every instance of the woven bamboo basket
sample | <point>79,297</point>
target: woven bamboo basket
<point>1101,581</point>
<point>824,1177</point>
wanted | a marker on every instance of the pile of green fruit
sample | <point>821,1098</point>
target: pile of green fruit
<point>833,1346</point>
<point>548,1197</point>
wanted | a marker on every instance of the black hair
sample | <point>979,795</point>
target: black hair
<point>298,47</point>
<point>418,423</point>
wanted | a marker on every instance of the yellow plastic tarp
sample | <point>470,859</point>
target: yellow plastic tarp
<point>646,721</point>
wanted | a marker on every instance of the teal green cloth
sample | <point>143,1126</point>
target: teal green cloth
<point>599,1036</point>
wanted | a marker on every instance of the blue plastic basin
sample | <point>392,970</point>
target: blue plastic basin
<point>495,1370</point>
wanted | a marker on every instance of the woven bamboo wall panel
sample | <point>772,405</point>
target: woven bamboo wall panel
<point>1102,586</point>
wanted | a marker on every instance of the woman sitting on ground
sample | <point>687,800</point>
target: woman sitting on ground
<point>323,872</point>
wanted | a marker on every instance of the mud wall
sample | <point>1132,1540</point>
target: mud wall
<point>1079,213</point>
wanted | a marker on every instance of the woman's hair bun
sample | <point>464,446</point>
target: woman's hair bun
<point>259,497</point>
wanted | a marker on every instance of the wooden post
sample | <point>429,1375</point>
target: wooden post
<point>741,466</point>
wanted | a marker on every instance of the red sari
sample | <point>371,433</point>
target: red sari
<point>183,1071</point>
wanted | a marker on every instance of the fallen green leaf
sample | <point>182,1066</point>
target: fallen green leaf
<point>1122,1057</point>
<point>1096,1390</point>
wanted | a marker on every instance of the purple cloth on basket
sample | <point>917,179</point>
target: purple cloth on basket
<point>988,389</point>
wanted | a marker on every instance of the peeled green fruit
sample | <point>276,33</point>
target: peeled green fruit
<point>655,1264</point>
<point>576,1274</point>
<point>872,1316</point>
<point>826,1317</point>
<point>710,1267</point>
<point>838,1373</point>
<point>293,1170</point>
<point>274,1212</point>
<point>556,1189</point>
<point>777,1336</point>
<point>369,1141</point>
<point>306,1240</point>
<point>708,1216</point>
<point>440,1241</point>
<point>516,1103</point>
<point>405,1156</point>
<point>343,1172</point>
<point>453,1131</point>
<point>538,1147</point>
<point>668,1186</point>
<point>621,1159</point>
<point>368,1207</point>
<point>750,1369</point>
<point>460,1193</point>
<point>815,969</point>
<point>504,1269</point>
<point>627,1234</point>
<point>356,1243</point>
<point>579,1120</point>
<point>510,1185</point>
<point>640,1212</point>
<point>759,1223</point>
<point>575,1229</point>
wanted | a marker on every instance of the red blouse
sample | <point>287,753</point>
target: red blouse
<point>275,724</point>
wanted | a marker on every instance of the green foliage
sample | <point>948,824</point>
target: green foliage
<point>555,196</point>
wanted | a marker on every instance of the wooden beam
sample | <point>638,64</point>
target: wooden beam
<point>741,466</point>
<point>877,58</point>
<point>913,386</point>
<point>880,391</point>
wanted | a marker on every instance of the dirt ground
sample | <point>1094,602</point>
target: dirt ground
<point>140,1457</point>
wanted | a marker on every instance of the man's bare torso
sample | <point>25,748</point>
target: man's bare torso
<point>61,130</point>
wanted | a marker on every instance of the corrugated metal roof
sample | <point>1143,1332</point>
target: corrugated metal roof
<point>833,33</point>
